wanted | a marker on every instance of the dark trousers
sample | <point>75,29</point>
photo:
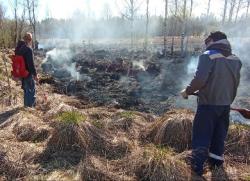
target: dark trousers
<point>209,133</point>
<point>28,86</point>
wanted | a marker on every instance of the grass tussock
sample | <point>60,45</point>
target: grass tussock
<point>127,114</point>
<point>67,137</point>
<point>98,123</point>
<point>115,151</point>
<point>67,134</point>
<point>11,170</point>
<point>28,132</point>
<point>174,130</point>
<point>71,117</point>
<point>238,142</point>
<point>122,121</point>
<point>94,168</point>
<point>157,164</point>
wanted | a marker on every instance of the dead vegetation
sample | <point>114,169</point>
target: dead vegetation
<point>158,164</point>
<point>69,139</point>
<point>238,143</point>
<point>11,170</point>
<point>174,129</point>
<point>28,132</point>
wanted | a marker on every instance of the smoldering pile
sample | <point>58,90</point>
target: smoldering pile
<point>134,80</point>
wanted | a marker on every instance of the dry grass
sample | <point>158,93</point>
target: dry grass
<point>66,137</point>
<point>238,143</point>
<point>11,170</point>
<point>158,164</point>
<point>96,168</point>
<point>174,129</point>
<point>28,132</point>
<point>122,121</point>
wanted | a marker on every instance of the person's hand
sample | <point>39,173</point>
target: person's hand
<point>184,94</point>
<point>36,79</point>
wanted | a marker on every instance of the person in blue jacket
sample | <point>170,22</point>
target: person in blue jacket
<point>216,81</point>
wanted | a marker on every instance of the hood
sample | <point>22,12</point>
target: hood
<point>22,50</point>
<point>222,46</point>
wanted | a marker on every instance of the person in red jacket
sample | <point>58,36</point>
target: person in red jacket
<point>24,48</point>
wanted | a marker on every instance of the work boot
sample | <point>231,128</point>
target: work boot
<point>197,177</point>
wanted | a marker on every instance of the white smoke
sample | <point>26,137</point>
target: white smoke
<point>139,64</point>
<point>63,58</point>
<point>192,65</point>
<point>236,117</point>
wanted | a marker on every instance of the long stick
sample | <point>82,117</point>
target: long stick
<point>244,112</point>
<point>8,79</point>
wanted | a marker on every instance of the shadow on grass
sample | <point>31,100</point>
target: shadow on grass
<point>64,149</point>
<point>51,161</point>
<point>6,115</point>
<point>219,175</point>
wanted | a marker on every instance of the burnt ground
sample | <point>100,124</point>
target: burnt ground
<point>132,80</point>
<point>106,143</point>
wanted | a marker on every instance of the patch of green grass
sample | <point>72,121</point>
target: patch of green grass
<point>157,152</point>
<point>97,124</point>
<point>127,114</point>
<point>71,117</point>
<point>248,178</point>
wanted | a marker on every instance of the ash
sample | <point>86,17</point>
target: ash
<point>118,77</point>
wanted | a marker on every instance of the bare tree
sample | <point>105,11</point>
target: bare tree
<point>224,11</point>
<point>174,27</point>
<point>107,11</point>
<point>165,27</point>
<point>184,9</point>
<point>191,7</point>
<point>238,9</point>
<point>208,7</point>
<point>32,6</point>
<point>16,21</point>
<point>175,8</point>
<point>183,26</point>
<point>231,10</point>
<point>248,4</point>
<point>147,24</point>
<point>1,15</point>
<point>21,23</point>
<point>132,7</point>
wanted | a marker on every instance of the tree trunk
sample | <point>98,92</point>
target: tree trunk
<point>224,12</point>
<point>231,11</point>
<point>248,4</point>
<point>16,23</point>
<point>174,27</point>
<point>165,28</point>
<point>191,7</point>
<point>34,20</point>
<point>208,7</point>
<point>147,23</point>
<point>132,23</point>
<point>183,28</point>
<point>237,11</point>
<point>184,9</point>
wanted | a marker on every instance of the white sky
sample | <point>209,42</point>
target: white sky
<point>63,9</point>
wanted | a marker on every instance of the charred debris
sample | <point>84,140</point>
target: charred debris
<point>117,77</point>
